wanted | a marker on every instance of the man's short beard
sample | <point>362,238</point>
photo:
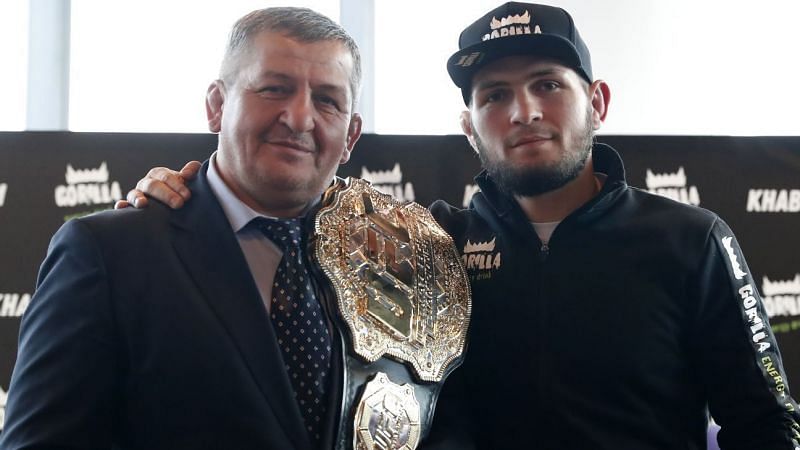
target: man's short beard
<point>532,181</point>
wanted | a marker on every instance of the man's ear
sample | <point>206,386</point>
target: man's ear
<point>601,96</point>
<point>215,99</point>
<point>466,128</point>
<point>353,133</point>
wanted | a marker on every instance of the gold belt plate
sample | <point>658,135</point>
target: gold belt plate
<point>400,285</point>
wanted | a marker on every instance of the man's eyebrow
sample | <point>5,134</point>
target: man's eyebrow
<point>490,84</point>
<point>274,74</point>
<point>548,71</point>
<point>336,88</point>
<point>327,87</point>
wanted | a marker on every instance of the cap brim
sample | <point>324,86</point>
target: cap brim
<point>463,65</point>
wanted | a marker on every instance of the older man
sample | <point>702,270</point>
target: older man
<point>189,359</point>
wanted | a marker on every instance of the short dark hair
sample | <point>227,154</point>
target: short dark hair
<point>302,24</point>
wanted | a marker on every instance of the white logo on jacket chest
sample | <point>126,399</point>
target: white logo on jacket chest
<point>480,259</point>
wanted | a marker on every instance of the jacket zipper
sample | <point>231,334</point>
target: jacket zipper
<point>541,312</point>
<point>544,252</point>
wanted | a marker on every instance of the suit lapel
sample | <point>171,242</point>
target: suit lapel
<point>212,256</point>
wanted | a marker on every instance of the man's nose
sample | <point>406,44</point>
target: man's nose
<point>526,109</point>
<point>298,114</point>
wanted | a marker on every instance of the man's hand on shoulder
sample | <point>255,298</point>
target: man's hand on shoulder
<point>161,183</point>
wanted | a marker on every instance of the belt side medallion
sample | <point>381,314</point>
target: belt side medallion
<point>388,416</point>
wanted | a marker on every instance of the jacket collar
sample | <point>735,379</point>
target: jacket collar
<point>212,256</point>
<point>605,159</point>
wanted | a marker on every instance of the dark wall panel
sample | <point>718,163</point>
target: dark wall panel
<point>752,183</point>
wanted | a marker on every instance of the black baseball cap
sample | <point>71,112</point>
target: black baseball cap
<point>518,29</point>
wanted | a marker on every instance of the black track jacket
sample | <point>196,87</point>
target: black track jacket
<point>637,319</point>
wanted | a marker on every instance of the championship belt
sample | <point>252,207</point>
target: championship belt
<point>403,300</point>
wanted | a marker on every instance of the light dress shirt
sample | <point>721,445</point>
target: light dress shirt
<point>262,255</point>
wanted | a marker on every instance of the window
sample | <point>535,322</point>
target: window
<point>145,65</point>
<point>413,39</point>
<point>724,69</point>
<point>14,54</point>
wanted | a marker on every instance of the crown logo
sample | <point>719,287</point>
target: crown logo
<point>479,246</point>
<point>771,288</point>
<point>735,265</point>
<point>655,181</point>
<point>99,175</point>
<point>523,19</point>
<point>383,176</point>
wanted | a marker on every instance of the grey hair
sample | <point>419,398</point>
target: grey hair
<point>301,24</point>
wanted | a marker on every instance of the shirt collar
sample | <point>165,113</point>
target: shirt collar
<point>237,212</point>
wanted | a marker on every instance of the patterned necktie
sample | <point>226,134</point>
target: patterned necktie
<point>300,324</point>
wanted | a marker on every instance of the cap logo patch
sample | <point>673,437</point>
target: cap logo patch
<point>468,60</point>
<point>524,19</point>
<point>511,26</point>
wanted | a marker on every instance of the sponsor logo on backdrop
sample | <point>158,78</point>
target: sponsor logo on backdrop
<point>3,397</point>
<point>672,185</point>
<point>773,200</point>
<point>3,191</point>
<point>87,187</point>
<point>781,297</point>
<point>481,259</point>
<point>469,191</point>
<point>13,305</point>
<point>390,182</point>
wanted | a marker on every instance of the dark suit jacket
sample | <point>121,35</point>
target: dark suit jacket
<point>147,331</point>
